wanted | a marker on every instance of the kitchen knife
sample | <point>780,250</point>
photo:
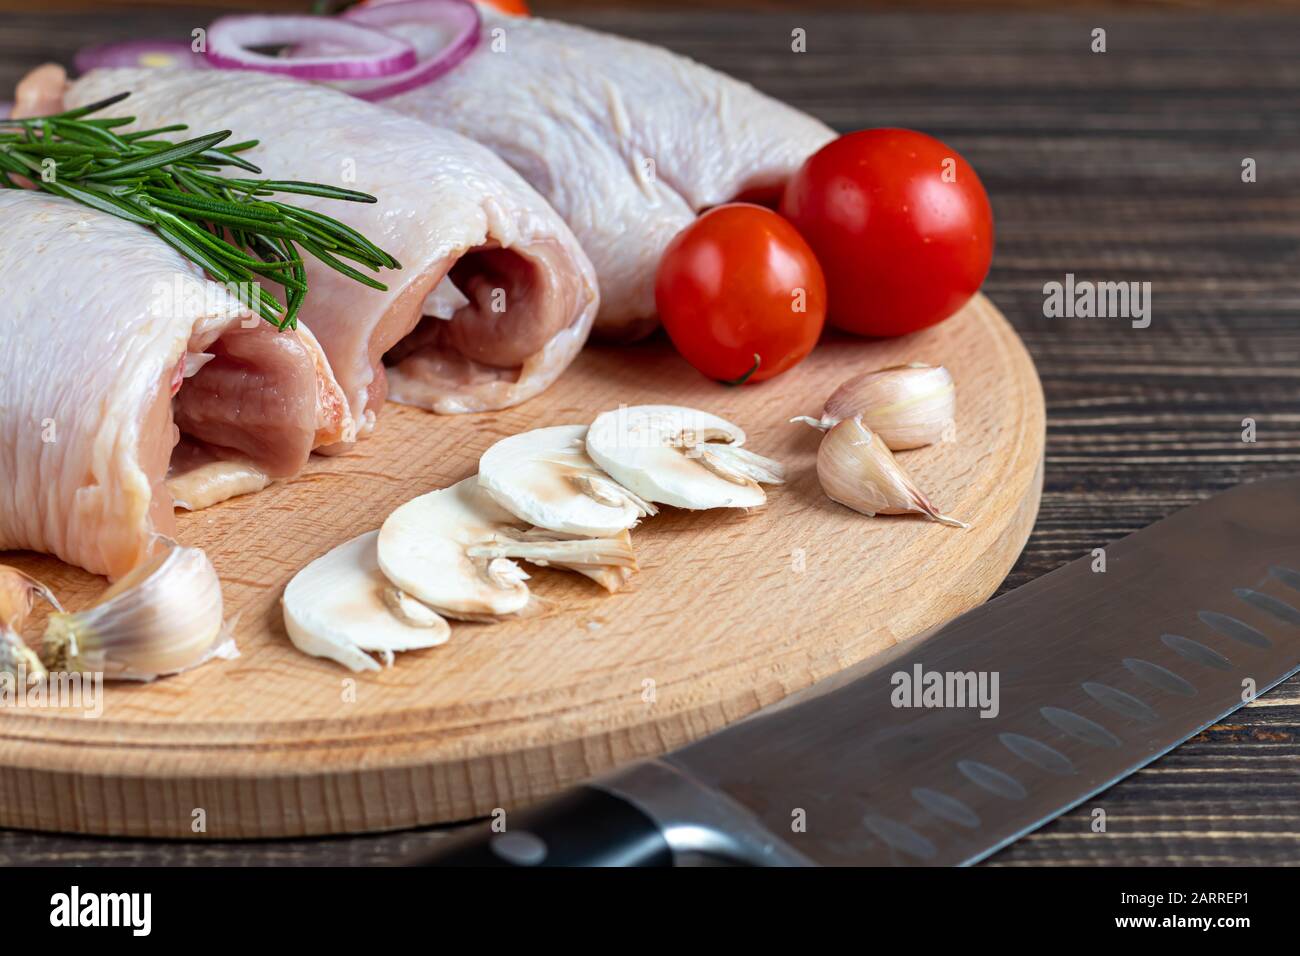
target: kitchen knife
<point>1087,674</point>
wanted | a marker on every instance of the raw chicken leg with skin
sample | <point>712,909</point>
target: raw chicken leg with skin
<point>102,321</point>
<point>582,115</point>
<point>448,209</point>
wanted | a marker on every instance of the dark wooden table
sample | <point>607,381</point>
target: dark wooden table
<point>1119,166</point>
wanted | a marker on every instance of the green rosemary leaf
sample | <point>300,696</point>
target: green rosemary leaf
<point>218,157</point>
<point>265,212</point>
<point>226,225</point>
<point>164,157</point>
<point>98,201</point>
<point>341,267</point>
<point>110,122</point>
<point>85,133</point>
<point>82,110</point>
<point>347,232</point>
<point>148,133</point>
<point>224,219</point>
<point>47,148</point>
<point>310,189</point>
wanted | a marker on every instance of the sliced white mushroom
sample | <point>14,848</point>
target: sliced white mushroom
<point>453,549</point>
<point>423,550</point>
<point>546,478</point>
<point>608,561</point>
<point>341,607</point>
<point>680,456</point>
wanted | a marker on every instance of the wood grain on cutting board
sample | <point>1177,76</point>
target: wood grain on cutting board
<point>729,612</point>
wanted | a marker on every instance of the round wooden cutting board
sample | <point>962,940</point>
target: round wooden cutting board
<point>729,612</point>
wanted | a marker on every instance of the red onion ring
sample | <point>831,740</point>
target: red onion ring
<point>175,54</point>
<point>457,20</point>
<point>374,53</point>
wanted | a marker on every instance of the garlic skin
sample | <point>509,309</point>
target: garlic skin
<point>857,470</point>
<point>161,618</point>
<point>18,592</point>
<point>907,406</point>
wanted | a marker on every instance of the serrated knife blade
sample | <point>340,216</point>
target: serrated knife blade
<point>965,738</point>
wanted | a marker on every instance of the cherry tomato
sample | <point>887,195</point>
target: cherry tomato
<point>741,294</point>
<point>517,7</point>
<point>899,222</point>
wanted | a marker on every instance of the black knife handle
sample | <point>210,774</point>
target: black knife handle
<point>584,827</point>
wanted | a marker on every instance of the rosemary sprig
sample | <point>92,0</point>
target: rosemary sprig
<point>224,224</point>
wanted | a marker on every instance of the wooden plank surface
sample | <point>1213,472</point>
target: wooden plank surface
<point>1117,166</point>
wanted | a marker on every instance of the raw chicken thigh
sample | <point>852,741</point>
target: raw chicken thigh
<point>113,346</point>
<point>495,297</point>
<point>627,140</point>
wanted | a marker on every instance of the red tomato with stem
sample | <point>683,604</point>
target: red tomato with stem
<point>901,225</point>
<point>740,294</point>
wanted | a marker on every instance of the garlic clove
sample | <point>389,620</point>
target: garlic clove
<point>857,470</point>
<point>679,456</point>
<point>907,406</point>
<point>18,593</point>
<point>164,617</point>
<point>341,607</point>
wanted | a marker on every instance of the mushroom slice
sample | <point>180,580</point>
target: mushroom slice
<point>545,477</point>
<point>608,561</point>
<point>423,549</point>
<point>680,456</point>
<point>454,549</point>
<point>341,607</point>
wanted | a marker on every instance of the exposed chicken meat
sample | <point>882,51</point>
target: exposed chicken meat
<point>628,141</point>
<point>101,322</point>
<point>448,209</point>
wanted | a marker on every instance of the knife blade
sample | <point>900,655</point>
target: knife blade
<point>961,740</point>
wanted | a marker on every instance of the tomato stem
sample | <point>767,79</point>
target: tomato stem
<point>746,377</point>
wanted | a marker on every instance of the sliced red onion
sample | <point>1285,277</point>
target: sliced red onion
<point>454,35</point>
<point>174,54</point>
<point>6,110</point>
<point>369,53</point>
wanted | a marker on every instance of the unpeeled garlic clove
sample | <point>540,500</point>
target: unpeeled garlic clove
<point>18,593</point>
<point>907,406</point>
<point>857,470</point>
<point>161,618</point>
